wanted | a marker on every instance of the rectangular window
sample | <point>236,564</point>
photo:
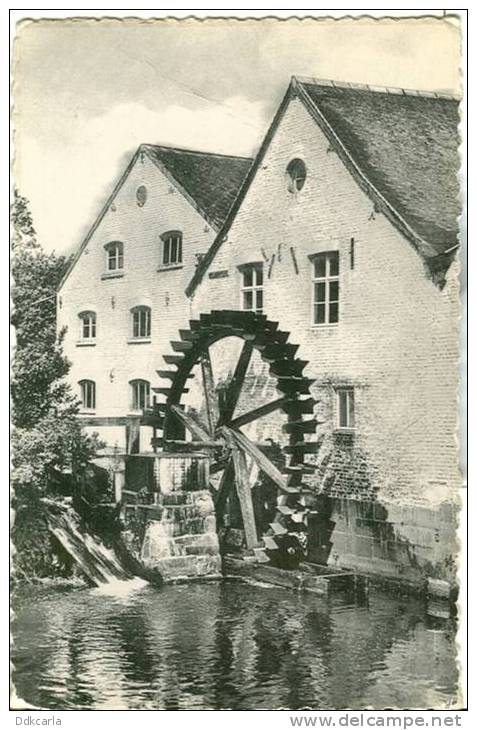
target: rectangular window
<point>172,249</point>
<point>345,407</point>
<point>252,288</point>
<point>115,253</point>
<point>140,395</point>
<point>326,288</point>
<point>88,394</point>
<point>141,322</point>
<point>88,326</point>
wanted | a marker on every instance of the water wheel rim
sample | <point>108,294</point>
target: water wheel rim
<point>259,335</point>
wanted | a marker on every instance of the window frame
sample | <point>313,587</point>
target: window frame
<point>92,326</point>
<point>166,239</point>
<point>135,396</point>
<point>255,287</point>
<point>327,280</point>
<point>85,384</point>
<point>114,252</point>
<point>350,408</point>
<point>138,311</point>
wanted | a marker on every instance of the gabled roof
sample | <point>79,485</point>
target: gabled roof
<point>406,143</point>
<point>210,182</point>
<point>401,147</point>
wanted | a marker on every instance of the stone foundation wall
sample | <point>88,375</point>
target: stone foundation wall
<point>169,525</point>
<point>405,543</point>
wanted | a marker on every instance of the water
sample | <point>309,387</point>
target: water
<point>96,561</point>
<point>228,645</point>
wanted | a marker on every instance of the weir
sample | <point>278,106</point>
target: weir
<point>97,562</point>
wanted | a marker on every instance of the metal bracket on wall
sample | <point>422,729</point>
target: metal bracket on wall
<point>295,262</point>
<point>270,267</point>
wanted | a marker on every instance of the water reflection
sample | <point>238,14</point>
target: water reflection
<point>229,645</point>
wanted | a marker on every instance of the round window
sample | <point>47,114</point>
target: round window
<point>296,175</point>
<point>141,195</point>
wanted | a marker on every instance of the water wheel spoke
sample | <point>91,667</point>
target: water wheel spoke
<point>263,462</point>
<point>196,430</point>
<point>210,393</point>
<point>256,413</point>
<point>244,492</point>
<point>235,387</point>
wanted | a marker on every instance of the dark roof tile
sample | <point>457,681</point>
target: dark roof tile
<point>406,144</point>
<point>211,180</point>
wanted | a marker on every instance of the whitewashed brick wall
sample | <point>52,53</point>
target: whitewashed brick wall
<point>112,362</point>
<point>397,339</point>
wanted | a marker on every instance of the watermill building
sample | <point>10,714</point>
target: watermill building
<point>344,231</point>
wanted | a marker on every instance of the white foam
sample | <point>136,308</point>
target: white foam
<point>120,588</point>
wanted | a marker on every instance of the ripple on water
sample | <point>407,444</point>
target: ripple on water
<point>228,645</point>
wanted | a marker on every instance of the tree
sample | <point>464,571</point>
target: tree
<point>47,439</point>
<point>38,362</point>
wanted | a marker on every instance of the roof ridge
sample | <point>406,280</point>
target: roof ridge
<point>191,151</point>
<point>375,88</point>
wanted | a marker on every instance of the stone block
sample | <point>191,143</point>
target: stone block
<point>447,512</point>
<point>316,584</point>
<point>438,588</point>
<point>202,550</point>
<point>209,566</point>
<point>207,539</point>
<point>177,567</point>
<point>364,546</point>
<point>365,527</point>
<point>157,544</point>
<point>381,549</point>
<point>189,567</point>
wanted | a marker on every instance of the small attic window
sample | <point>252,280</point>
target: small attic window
<point>114,256</point>
<point>296,175</point>
<point>141,195</point>
<point>171,248</point>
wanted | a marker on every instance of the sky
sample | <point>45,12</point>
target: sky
<point>88,92</point>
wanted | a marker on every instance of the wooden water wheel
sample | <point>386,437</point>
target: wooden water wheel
<point>219,430</point>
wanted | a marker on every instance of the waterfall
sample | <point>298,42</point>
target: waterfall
<point>98,563</point>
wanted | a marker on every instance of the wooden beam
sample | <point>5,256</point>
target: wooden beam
<point>294,384</point>
<point>235,387</point>
<point>218,465</point>
<point>197,431</point>
<point>263,461</point>
<point>184,447</point>
<point>179,346</point>
<point>153,421</point>
<point>211,400</point>
<point>303,447</point>
<point>257,413</point>
<point>108,420</point>
<point>220,497</point>
<point>132,437</point>
<point>297,407</point>
<point>244,493</point>
<point>299,427</point>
